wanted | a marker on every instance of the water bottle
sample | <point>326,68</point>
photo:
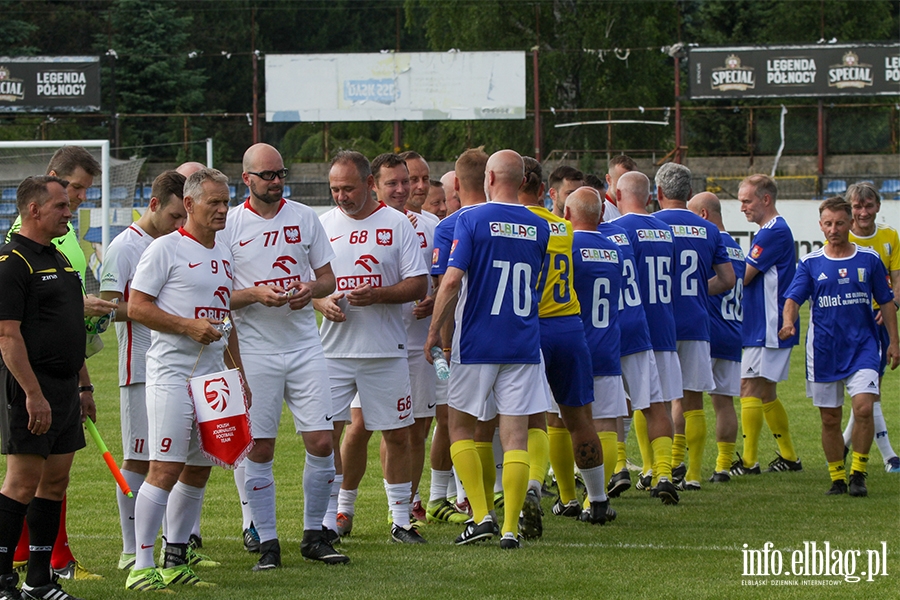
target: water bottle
<point>97,325</point>
<point>440,363</point>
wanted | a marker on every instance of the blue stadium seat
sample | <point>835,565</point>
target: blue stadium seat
<point>836,187</point>
<point>890,188</point>
<point>5,224</point>
<point>9,194</point>
<point>119,193</point>
<point>93,193</point>
<point>232,191</point>
<point>287,191</point>
<point>8,209</point>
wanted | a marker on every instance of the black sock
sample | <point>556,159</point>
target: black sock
<point>12,516</point>
<point>43,525</point>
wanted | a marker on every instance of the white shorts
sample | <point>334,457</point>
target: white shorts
<point>831,394</point>
<point>773,364</point>
<point>172,434</point>
<point>609,398</point>
<point>727,377</point>
<point>442,391</point>
<point>518,389</point>
<point>299,379</point>
<point>696,371</point>
<point>422,384</point>
<point>640,376</point>
<point>133,413</point>
<point>670,382</point>
<point>383,386</point>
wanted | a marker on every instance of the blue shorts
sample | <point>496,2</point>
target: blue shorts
<point>567,360</point>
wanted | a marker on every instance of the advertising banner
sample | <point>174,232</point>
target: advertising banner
<point>50,84</point>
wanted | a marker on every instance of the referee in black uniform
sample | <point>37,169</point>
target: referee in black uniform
<point>42,341</point>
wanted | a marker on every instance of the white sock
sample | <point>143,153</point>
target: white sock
<point>626,425</point>
<point>534,484</point>
<point>439,483</point>
<point>149,509</point>
<point>126,508</point>
<point>239,479</point>
<point>595,482</point>
<point>184,505</point>
<point>498,461</point>
<point>259,485</point>
<point>881,433</point>
<point>848,430</point>
<point>195,530</point>
<point>398,501</point>
<point>317,477</point>
<point>330,520</point>
<point>460,490</point>
<point>347,501</point>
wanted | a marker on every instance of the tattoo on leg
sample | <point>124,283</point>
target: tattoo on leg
<point>589,455</point>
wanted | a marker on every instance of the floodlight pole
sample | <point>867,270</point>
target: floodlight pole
<point>537,105</point>
<point>677,157</point>
<point>209,154</point>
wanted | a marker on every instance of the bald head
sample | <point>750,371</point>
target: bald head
<point>257,154</point>
<point>584,208</point>
<point>707,205</point>
<point>504,174</point>
<point>449,182</point>
<point>632,192</point>
<point>189,168</point>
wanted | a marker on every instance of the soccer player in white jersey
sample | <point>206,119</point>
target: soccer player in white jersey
<point>496,259</point>
<point>278,246</point>
<point>866,202</point>
<point>651,240</point>
<point>766,360</point>
<point>698,250</point>
<point>164,215</point>
<point>181,290</point>
<point>378,267</point>
<point>725,320</point>
<point>618,166</point>
<point>842,346</point>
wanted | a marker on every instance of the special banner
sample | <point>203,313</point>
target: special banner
<point>50,84</point>
<point>781,71</point>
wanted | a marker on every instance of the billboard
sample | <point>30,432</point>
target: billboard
<point>395,86</point>
<point>50,84</point>
<point>781,71</point>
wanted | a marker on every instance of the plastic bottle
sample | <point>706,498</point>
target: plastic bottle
<point>440,363</point>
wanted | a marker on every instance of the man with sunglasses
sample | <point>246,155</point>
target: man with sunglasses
<point>276,246</point>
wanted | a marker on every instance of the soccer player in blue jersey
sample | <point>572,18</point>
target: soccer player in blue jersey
<point>766,359</point>
<point>725,320</point>
<point>654,252</point>
<point>496,258</point>
<point>842,347</point>
<point>698,250</point>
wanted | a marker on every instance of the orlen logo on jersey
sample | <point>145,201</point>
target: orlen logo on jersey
<point>688,231</point>
<point>654,235</point>
<point>282,263</point>
<point>384,237</point>
<point>208,312</point>
<point>599,255</point>
<point>514,230</point>
<point>345,284</point>
<point>282,282</point>
<point>217,393</point>
<point>292,234</point>
<point>223,294</point>
<point>558,229</point>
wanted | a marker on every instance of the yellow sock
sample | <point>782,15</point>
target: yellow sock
<point>751,425</point>
<point>837,471</point>
<point>485,452</point>
<point>608,443</point>
<point>562,459</point>
<point>620,456</point>
<point>538,454</point>
<point>777,420</point>
<point>639,424</point>
<point>515,485</point>
<point>679,442</point>
<point>468,468</point>
<point>695,437</point>
<point>662,455</point>
<point>860,462</point>
<point>724,459</point>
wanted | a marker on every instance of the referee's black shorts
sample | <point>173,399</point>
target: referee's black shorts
<point>66,433</point>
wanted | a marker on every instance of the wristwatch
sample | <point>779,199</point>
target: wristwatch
<point>86,388</point>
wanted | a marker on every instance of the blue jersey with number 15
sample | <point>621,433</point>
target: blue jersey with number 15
<point>501,248</point>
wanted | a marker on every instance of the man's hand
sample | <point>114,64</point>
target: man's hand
<point>302,296</point>
<point>893,355</point>
<point>329,308</point>
<point>787,331</point>
<point>88,408</point>
<point>202,331</point>
<point>270,295</point>
<point>879,320</point>
<point>433,339</point>
<point>363,295</point>
<point>95,307</point>
<point>424,308</point>
<point>413,218</point>
<point>39,414</point>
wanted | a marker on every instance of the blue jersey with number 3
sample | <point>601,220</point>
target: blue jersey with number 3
<point>501,248</point>
<point>632,320</point>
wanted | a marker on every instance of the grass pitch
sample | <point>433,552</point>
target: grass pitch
<point>695,549</point>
